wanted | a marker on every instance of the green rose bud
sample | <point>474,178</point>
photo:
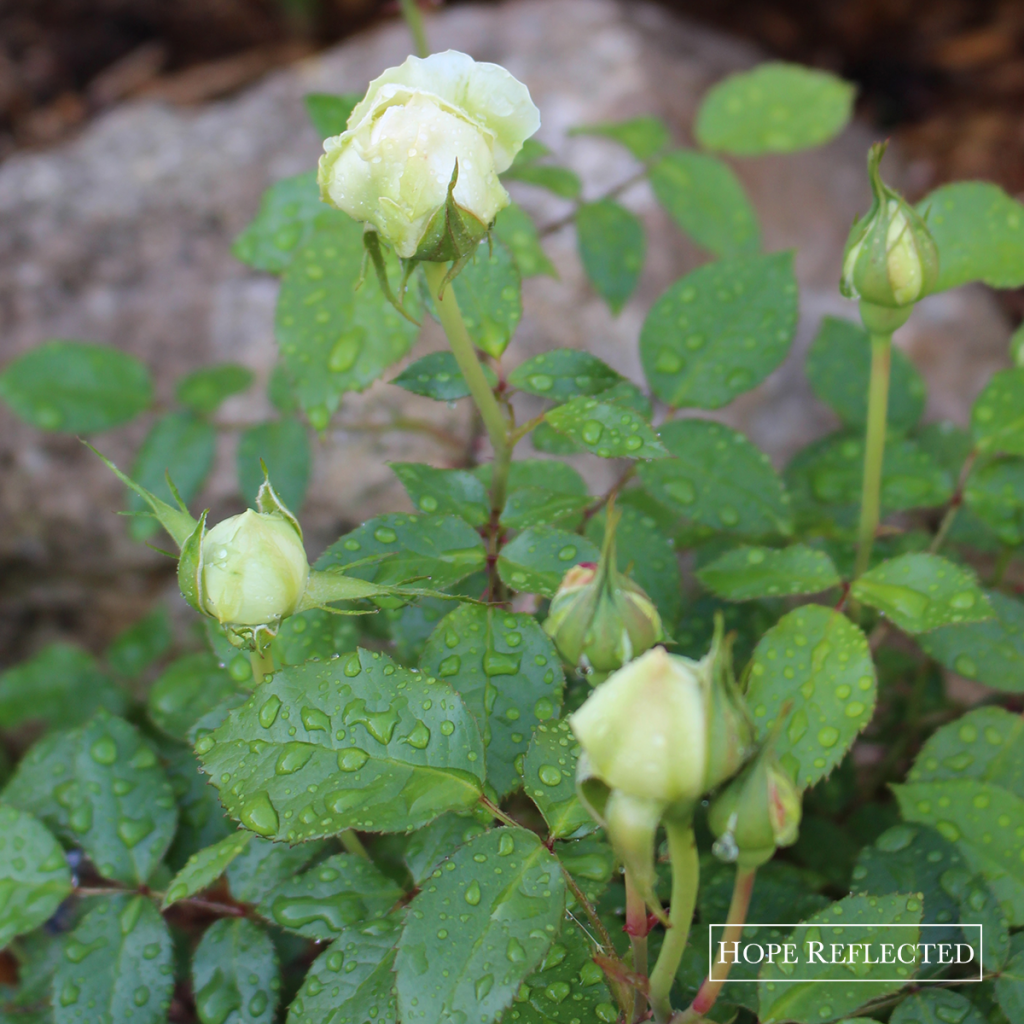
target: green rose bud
<point>445,119</point>
<point>756,813</point>
<point>600,619</point>
<point>253,568</point>
<point>891,258</point>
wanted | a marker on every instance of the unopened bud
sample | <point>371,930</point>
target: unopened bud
<point>254,569</point>
<point>891,259</point>
<point>644,732</point>
<point>599,618</point>
<point>756,813</point>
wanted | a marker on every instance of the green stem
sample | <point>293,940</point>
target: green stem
<point>636,927</point>
<point>874,449</point>
<point>465,355</point>
<point>262,662</point>
<point>414,20</point>
<point>682,848</point>
<point>352,844</point>
<point>743,887</point>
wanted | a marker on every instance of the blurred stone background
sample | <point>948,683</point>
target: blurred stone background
<point>134,153</point>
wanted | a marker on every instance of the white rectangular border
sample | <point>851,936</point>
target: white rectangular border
<point>824,981</point>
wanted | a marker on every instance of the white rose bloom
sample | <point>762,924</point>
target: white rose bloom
<point>254,569</point>
<point>393,165</point>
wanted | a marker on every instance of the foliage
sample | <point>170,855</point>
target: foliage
<point>388,825</point>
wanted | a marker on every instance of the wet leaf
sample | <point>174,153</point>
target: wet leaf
<point>117,965</point>
<point>205,867</point>
<point>34,875</point>
<point>612,245</point>
<point>262,865</point>
<point>203,390</point>
<point>819,660</point>
<point>283,446</point>
<point>488,291</point>
<point>609,430</point>
<point>775,108</point>
<point>515,227</point>
<point>235,974</point>
<point>549,778</point>
<point>100,787</point>
<point>920,592</point>
<point>454,491</point>
<point>538,558</point>
<point>386,749</point>
<point>563,373</point>
<point>433,843</point>
<point>76,387</point>
<point>438,376</point>
<point>473,935</point>
<point>719,479</point>
<point>644,137</point>
<point>720,330</point>
<point>750,572</point>
<point>991,652</point>
<point>187,690</point>
<point>507,671</point>
<point>136,648</point>
<point>705,198</point>
<point>936,1006</point>
<point>997,420</point>
<point>338,893</point>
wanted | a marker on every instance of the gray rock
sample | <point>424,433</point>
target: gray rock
<point>123,236</point>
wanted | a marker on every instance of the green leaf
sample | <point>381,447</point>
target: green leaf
<point>201,819</point>
<point>117,966</point>
<point>314,634</point>
<point>507,671</point>
<point>76,387</point>
<point>782,1000</point>
<point>985,744</point>
<point>981,817</point>
<point>775,108</point>
<point>1010,988</point>
<point>290,211</point>
<point>818,660</point>
<point>545,438</point>
<point>705,198</point>
<point>515,227</point>
<point>719,479</point>
<point>568,988</point>
<point>472,960</point>
<point>992,652</point>
<point>538,558</point>
<point>720,330</point>
<point>187,690</point>
<point>839,365</point>
<point>920,592</point>
<point>644,137</point>
<point>443,548</point>
<point>915,858</point>
<point>936,1006</point>
<point>612,245</point>
<point>337,893</point>
<point>563,373</point>
<point>34,875</point>
<point>997,418</point>
<point>132,651</point>
<point>611,431</point>
<point>538,506</point>
<point>205,867</point>
<point>488,290</point>
<point>979,230</point>
<point>559,180</point>
<point>445,491</point>
<point>438,376</point>
<point>745,573</point>
<point>203,390</point>
<point>235,974</point>
<point>387,749</point>
<point>629,396</point>
<point>335,337</point>
<point>352,979</point>
<point>995,494</point>
<point>283,445</point>
<point>825,478</point>
<point>62,686</point>
<point>262,865</point>
<point>549,777</point>
<point>429,846</point>
<point>179,445</point>
<point>100,787</point>
<point>647,555</point>
<point>329,112</point>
